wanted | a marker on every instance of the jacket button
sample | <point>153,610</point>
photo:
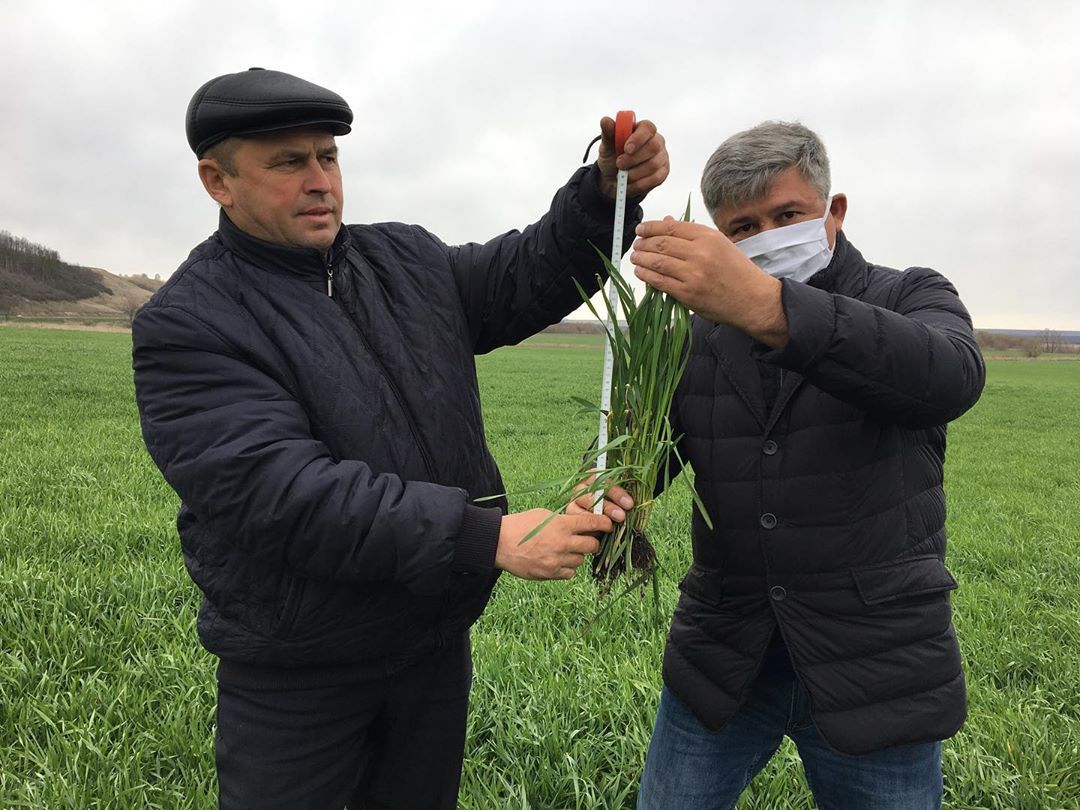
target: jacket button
<point>768,521</point>
<point>770,447</point>
<point>777,593</point>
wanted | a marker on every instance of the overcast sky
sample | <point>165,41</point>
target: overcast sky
<point>953,127</point>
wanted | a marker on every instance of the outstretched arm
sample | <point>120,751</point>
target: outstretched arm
<point>520,282</point>
<point>915,364</point>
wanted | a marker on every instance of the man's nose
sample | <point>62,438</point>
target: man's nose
<point>317,180</point>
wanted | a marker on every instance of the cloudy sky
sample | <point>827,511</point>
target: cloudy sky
<point>953,127</point>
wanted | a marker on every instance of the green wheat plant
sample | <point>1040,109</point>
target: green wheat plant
<point>649,355</point>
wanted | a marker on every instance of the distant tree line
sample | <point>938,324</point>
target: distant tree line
<point>34,272</point>
<point>1048,341</point>
<point>576,328</point>
<point>1052,342</point>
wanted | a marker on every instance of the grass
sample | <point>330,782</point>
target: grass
<point>106,699</point>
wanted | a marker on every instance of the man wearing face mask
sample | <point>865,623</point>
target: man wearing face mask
<point>813,411</point>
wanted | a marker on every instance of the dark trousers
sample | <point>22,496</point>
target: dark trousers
<point>395,743</point>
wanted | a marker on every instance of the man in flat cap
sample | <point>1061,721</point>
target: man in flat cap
<point>309,391</point>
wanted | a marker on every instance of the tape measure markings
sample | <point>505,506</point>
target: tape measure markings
<point>624,125</point>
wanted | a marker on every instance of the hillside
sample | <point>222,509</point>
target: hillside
<point>36,283</point>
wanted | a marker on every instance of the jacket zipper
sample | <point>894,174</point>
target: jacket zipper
<point>440,640</point>
<point>428,465</point>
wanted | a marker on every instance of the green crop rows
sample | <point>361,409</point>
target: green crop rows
<point>106,699</point>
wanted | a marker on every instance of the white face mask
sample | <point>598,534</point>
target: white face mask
<point>794,251</point>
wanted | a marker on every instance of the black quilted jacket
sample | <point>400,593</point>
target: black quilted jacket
<point>828,509</point>
<point>327,450</point>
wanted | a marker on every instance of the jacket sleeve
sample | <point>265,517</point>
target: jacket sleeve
<point>516,284</point>
<point>918,366</point>
<point>239,451</point>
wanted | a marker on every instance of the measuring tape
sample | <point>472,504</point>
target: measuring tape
<point>624,125</point>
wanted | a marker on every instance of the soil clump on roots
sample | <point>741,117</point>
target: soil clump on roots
<point>642,560</point>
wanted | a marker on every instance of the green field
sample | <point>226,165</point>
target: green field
<point>106,699</point>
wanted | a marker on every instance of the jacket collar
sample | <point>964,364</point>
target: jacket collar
<point>737,353</point>
<point>846,274</point>
<point>297,261</point>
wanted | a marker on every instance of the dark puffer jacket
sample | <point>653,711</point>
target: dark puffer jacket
<point>327,450</point>
<point>828,510</point>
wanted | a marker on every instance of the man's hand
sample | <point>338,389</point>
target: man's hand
<point>645,159</point>
<point>555,551</point>
<point>616,501</point>
<point>703,269</point>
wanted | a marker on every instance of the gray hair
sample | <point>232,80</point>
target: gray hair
<point>745,165</point>
<point>224,152</point>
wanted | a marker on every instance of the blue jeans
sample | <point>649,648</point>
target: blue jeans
<point>690,768</point>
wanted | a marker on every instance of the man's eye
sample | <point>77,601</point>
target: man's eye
<point>789,215</point>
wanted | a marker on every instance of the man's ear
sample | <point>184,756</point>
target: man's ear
<point>213,180</point>
<point>838,209</point>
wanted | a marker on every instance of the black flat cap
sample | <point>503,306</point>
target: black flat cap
<point>258,100</point>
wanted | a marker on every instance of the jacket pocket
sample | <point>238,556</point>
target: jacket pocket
<point>901,579</point>
<point>703,584</point>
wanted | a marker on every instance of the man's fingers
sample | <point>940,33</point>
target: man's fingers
<point>573,560</point>
<point>581,544</point>
<point>575,507</point>
<point>669,226</point>
<point>665,245</point>
<point>586,503</point>
<point>646,162</point>
<point>665,284</point>
<point>586,483</point>
<point>645,159</point>
<point>644,133</point>
<point>583,502</point>
<point>614,511</point>
<point>588,523</point>
<point>620,496</point>
<point>670,266</point>
<point>607,137</point>
<point>637,185</point>
<point>616,500</point>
